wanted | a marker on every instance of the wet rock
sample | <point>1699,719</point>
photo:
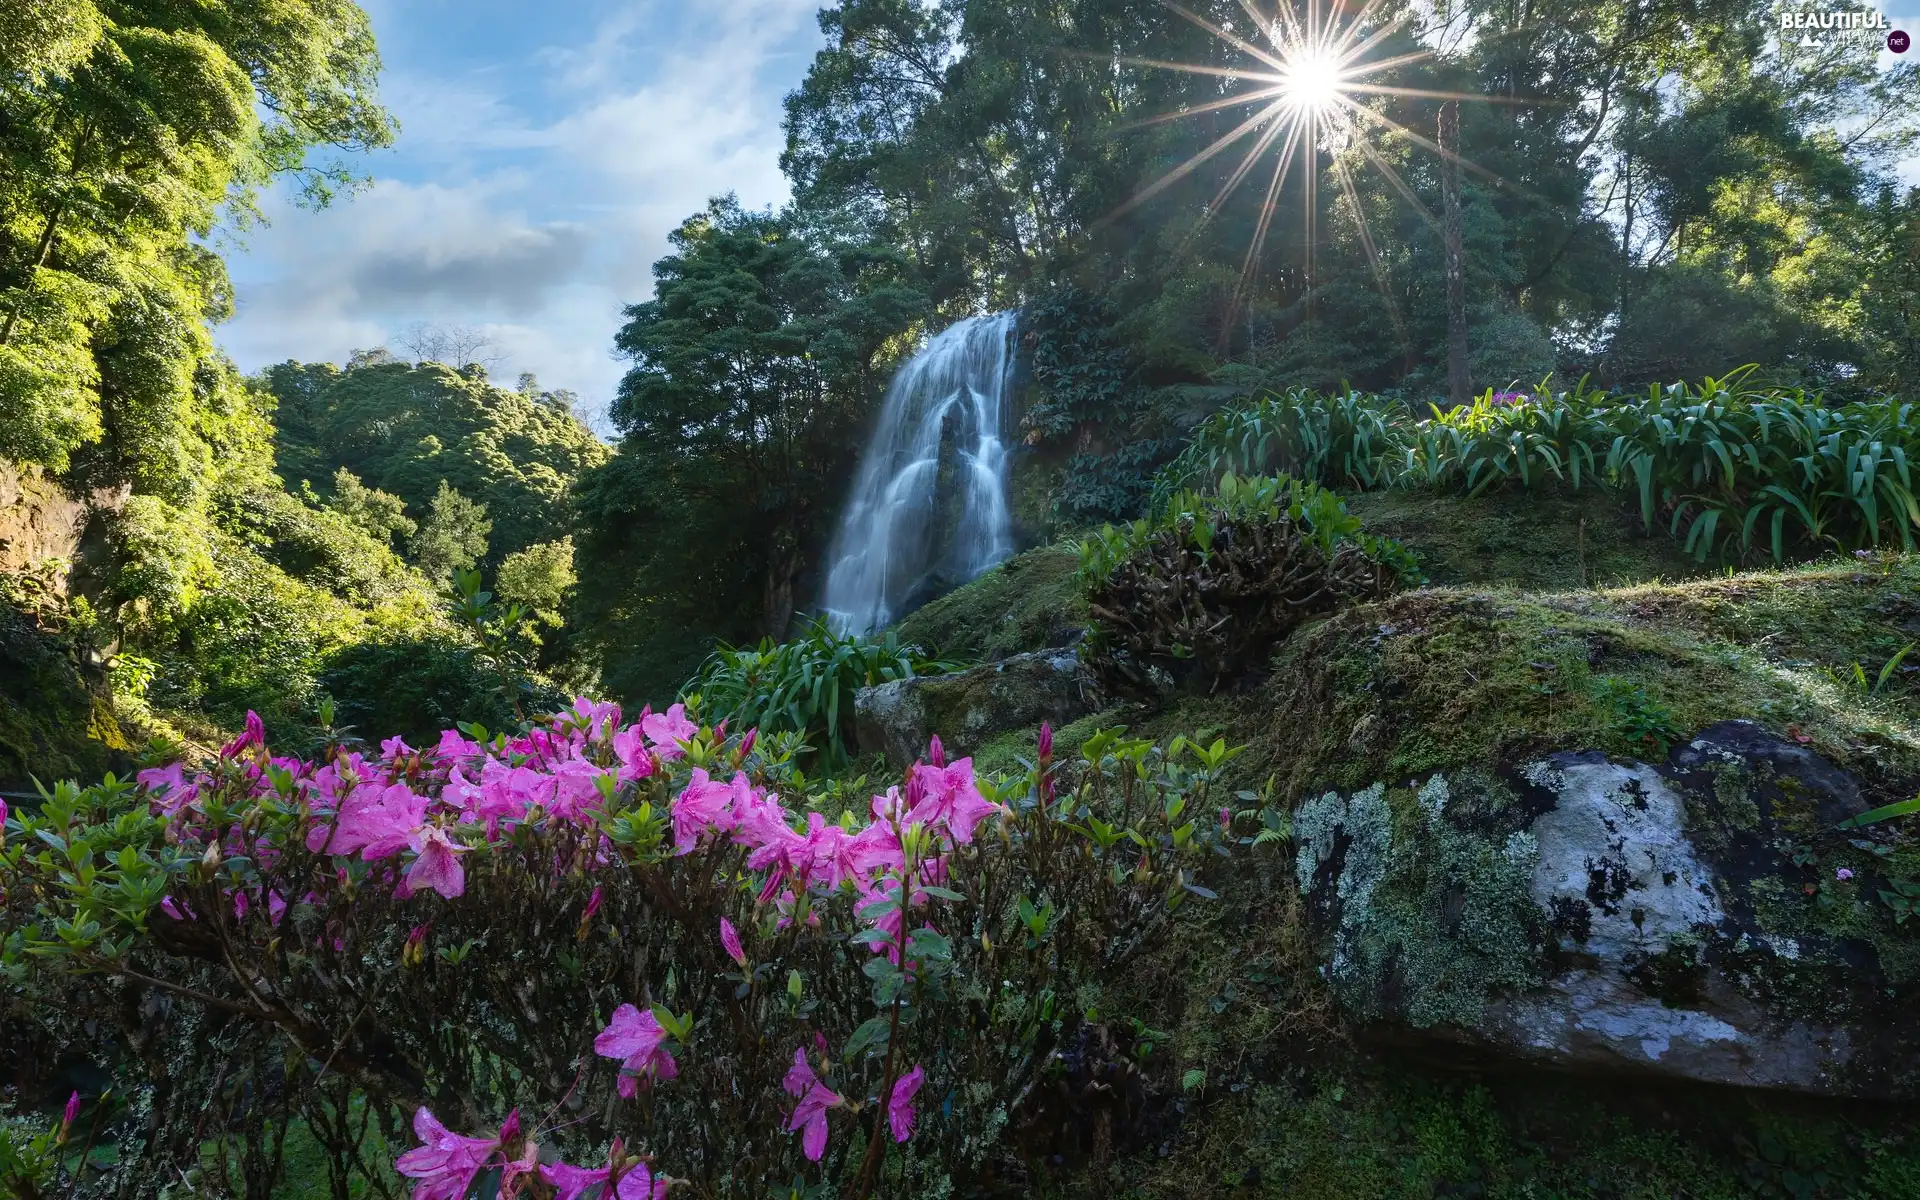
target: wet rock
<point>1688,919</point>
<point>969,708</point>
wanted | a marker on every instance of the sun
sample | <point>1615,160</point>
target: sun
<point>1311,80</point>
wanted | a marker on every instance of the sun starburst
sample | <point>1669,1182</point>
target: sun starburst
<point>1310,73</point>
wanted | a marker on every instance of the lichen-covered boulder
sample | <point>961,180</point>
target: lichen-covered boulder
<point>969,708</point>
<point>1701,918</point>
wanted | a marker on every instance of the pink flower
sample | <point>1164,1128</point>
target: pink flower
<point>593,905</point>
<point>167,787</point>
<point>636,1183</point>
<point>666,731</point>
<point>73,1109</point>
<point>947,796</point>
<point>630,746</point>
<point>703,805</point>
<point>378,823</point>
<point>445,1163</point>
<point>636,1039</point>
<point>255,734</point>
<point>900,1104</point>
<point>746,743</point>
<point>936,753</point>
<point>1045,744</point>
<point>395,747</point>
<point>730,942</point>
<point>810,1115</point>
<point>1843,874</point>
<point>436,867</point>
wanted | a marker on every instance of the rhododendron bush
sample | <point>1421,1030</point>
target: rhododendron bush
<point>601,958</point>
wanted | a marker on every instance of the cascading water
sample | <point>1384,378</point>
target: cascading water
<point>929,503</point>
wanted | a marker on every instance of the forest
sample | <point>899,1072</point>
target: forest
<point>1435,711</point>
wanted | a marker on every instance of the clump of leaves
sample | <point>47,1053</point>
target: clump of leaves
<point>805,685</point>
<point>1203,590</point>
<point>1636,716</point>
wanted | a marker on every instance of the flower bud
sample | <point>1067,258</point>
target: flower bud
<point>746,743</point>
<point>936,753</point>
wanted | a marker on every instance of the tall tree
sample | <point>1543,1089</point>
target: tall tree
<point>755,366</point>
<point>125,128</point>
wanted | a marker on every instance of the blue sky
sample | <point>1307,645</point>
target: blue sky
<point>545,152</point>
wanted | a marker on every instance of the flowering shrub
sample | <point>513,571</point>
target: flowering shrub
<point>596,957</point>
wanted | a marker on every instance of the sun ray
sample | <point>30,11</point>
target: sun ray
<point>1210,106</point>
<point>1189,68</point>
<point>1379,265</point>
<point>1398,184</point>
<point>1309,77</point>
<point>1232,39</point>
<point>1427,142</point>
<point>1187,168</point>
<point>1381,89</point>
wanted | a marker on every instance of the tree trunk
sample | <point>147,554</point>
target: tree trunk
<point>1459,383</point>
<point>776,612</point>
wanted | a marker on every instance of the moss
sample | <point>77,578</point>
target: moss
<point>1030,602</point>
<point>1536,541</point>
<point>1380,1128</point>
<point>54,724</point>
<point>1441,678</point>
<point>1430,919</point>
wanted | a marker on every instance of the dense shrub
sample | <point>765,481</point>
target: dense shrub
<point>1729,469</point>
<point>805,685</point>
<point>1203,590</point>
<point>616,945</point>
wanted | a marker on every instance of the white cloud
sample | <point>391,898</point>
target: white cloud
<point>533,212</point>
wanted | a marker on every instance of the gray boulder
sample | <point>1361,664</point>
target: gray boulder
<point>971,707</point>
<point>1699,919</point>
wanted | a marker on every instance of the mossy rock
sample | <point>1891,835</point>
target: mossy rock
<point>1030,602</point>
<point>971,708</point>
<point>53,724</point>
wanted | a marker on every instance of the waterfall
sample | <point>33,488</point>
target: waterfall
<point>929,502</point>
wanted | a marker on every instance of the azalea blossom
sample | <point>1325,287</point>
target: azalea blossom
<point>444,1165</point>
<point>636,1182</point>
<point>900,1104</point>
<point>666,731</point>
<point>810,1115</point>
<point>636,1038</point>
<point>436,868</point>
<point>730,942</point>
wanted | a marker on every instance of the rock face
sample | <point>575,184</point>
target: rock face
<point>969,708</point>
<point>1699,919</point>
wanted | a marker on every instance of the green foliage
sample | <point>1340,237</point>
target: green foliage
<point>453,535</point>
<point>414,431</point>
<point>1637,718</point>
<point>379,514</point>
<point>805,685</point>
<point>755,365</point>
<point>124,132</point>
<point>414,685</point>
<point>1732,469</point>
<point>1206,587</point>
<point>539,579</point>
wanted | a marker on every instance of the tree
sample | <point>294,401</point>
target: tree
<point>453,537</point>
<point>754,367</point>
<point>405,429</point>
<point>458,346</point>
<point>380,514</point>
<point>125,128</point>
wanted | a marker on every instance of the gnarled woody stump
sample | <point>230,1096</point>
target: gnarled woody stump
<point>1207,590</point>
